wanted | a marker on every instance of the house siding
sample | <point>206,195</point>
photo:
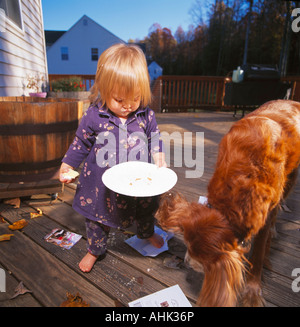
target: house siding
<point>80,39</point>
<point>22,51</point>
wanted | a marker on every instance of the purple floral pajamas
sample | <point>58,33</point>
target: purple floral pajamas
<point>97,233</point>
<point>97,129</point>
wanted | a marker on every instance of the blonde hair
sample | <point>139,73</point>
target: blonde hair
<point>121,68</point>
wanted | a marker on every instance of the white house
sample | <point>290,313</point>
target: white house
<point>154,70</point>
<point>77,50</point>
<point>22,45</point>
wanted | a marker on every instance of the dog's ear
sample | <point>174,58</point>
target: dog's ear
<point>173,210</point>
<point>208,234</point>
<point>223,281</point>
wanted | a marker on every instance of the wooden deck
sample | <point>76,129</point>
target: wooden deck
<point>124,275</point>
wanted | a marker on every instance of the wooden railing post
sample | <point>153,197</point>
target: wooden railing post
<point>156,95</point>
<point>295,86</point>
<point>220,94</point>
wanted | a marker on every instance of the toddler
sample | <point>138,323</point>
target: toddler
<point>117,127</point>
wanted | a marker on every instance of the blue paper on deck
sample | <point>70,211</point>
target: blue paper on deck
<point>145,248</point>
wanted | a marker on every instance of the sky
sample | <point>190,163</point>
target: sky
<point>127,19</point>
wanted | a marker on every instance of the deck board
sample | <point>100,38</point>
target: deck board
<point>124,275</point>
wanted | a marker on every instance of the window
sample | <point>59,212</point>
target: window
<point>64,53</point>
<point>12,11</point>
<point>94,54</point>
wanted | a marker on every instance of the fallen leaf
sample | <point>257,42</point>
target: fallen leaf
<point>285,208</point>
<point>36,214</point>
<point>74,301</point>
<point>140,280</point>
<point>5,237</point>
<point>20,289</point>
<point>16,202</point>
<point>18,224</point>
<point>119,304</point>
<point>2,220</point>
<point>172,262</point>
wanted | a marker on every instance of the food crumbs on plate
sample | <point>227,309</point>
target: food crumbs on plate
<point>139,179</point>
<point>18,224</point>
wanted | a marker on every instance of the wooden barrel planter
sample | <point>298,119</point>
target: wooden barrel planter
<point>35,134</point>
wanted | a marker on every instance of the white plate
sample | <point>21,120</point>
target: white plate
<point>137,178</point>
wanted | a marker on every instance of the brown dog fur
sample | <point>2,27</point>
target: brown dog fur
<point>256,167</point>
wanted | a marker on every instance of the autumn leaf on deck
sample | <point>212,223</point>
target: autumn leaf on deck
<point>18,224</point>
<point>74,301</point>
<point>36,214</point>
<point>15,202</point>
<point>5,237</point>
<point>20,289</point>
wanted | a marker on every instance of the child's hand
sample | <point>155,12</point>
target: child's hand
<point>67,174</point>
<point>159,159</point>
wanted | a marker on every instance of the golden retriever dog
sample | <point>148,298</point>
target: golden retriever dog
<point>256,167</point>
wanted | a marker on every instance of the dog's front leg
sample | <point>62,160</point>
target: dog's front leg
<point>252,294</point>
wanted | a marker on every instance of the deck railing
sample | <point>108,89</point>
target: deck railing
<point>295,82</point>
<point>183,93</point>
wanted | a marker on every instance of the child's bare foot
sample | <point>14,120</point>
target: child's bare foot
<point>156,240</point>
<point>87,262</point>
